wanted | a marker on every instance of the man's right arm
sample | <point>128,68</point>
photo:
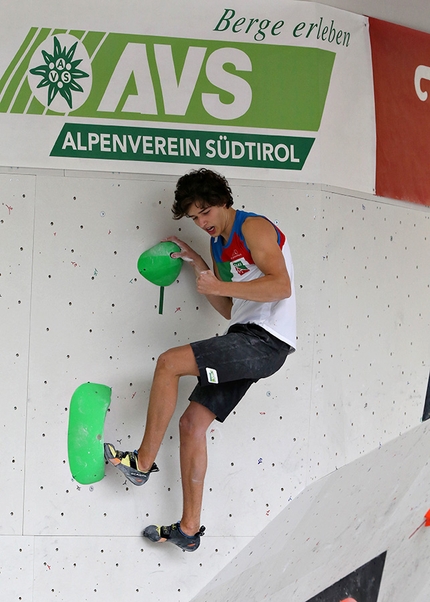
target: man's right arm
<point>223,305</point>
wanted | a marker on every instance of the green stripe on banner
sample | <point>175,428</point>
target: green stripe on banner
<point>21,72</point>
<point>17,57</point>
<point>126,143</point>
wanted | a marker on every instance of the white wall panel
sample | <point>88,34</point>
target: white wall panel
<point>372,347</point>
<point>16,572</point>
<point>121,568</point>
<point>16,251</point>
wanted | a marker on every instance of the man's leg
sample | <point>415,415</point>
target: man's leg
<point>171,365</point>
<point>193,453</point>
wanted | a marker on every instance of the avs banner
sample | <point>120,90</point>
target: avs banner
<point>269,91</point>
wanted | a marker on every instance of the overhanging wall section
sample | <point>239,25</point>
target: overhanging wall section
<point>372,508</point>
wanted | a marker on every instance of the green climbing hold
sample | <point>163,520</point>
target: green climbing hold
<point>157,265</point>
<point>87,413</point>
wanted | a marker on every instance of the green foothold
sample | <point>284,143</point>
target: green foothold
<point>157,265</point>
<point>87,413</point>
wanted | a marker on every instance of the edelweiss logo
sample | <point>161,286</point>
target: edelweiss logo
<point>240,267</point>
<point>54,82</point>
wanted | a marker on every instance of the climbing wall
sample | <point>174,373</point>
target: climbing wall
<point>356,535</point>
<point>76,310</point>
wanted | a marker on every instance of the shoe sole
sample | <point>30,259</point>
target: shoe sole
<point>138,481</point>
<point>152,531</point>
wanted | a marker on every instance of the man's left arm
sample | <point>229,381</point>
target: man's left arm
<point>261,239</point>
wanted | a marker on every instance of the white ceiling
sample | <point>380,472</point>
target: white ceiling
<point>410,13</point>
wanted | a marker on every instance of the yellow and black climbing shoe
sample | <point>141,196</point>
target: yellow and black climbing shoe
<point>127,463</point>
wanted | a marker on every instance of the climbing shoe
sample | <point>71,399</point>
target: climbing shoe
<point>174,534</point>
<point>127,463</point>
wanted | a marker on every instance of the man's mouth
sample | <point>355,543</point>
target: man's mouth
<point>210,230</point>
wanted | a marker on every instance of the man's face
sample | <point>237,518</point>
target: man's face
<point>210,218</point>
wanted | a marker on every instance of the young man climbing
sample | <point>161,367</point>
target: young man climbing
<point>252,285</point>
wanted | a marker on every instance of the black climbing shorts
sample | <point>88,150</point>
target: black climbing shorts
<point>231,363</point>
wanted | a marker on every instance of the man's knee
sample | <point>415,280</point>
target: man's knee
<point>178,361</point>
<point>189,427</point>
<point>195,421</point>
<point>166,361</point>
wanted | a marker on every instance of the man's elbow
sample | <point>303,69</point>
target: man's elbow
<point>286,294</point>
<point>286,288</point>
<point>225,309</point>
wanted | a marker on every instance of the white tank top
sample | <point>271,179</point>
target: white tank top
<point>235,264</point>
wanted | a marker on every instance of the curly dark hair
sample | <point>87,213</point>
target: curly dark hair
<point>203,186</point>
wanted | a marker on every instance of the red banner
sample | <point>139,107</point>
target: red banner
<point>401,74</point>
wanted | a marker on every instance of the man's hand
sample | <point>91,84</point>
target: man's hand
<point>208,284</point>
<point>186,253</point>
<point>189,255</point>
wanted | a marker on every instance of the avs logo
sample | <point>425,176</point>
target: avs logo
<point>240,267</point>
<point>193,86</point>
<point>165,79</point>
<point>60,73</point>
<point>360,586</point>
